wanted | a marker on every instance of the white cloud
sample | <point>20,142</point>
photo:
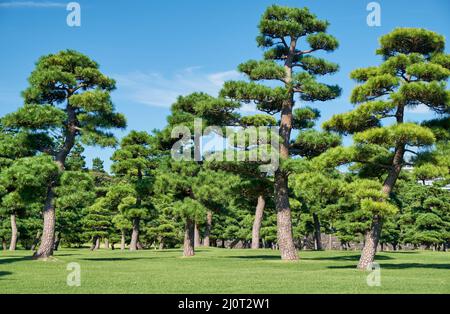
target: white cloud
<point>154,89</point>
<point>32,4</point>
<point>420,109</point>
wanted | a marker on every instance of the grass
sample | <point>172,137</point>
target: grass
<point>216,270</point>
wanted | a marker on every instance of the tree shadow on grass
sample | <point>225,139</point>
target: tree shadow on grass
<point>399,266</point>
<point>117,259</point>
<point>9,260</point>
<point>4,273</point>
<point>343,258</point>
<point>261,257</point>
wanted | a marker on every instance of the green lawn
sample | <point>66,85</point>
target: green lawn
<point>223,271</point>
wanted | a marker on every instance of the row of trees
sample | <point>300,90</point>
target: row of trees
<point>152,199</point>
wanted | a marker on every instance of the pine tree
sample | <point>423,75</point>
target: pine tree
<point>413,73</point>
<point>68,98</point>
<point>24,183</point>
<point>133,163</point>
<point>281,31</point>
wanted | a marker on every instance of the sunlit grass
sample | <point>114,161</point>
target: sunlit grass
<point>223,271</point>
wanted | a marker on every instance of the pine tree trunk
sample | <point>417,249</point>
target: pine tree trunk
<point>259,212</point>
<point>189,231</point>
<point>97,243</point>
<point>371,239</point>
<point>57,241</point>
<point>13,243</point>
<point>372,236</point>
<point>122,241</point>
<point>284,220</point>
<point>36,240</point>
<point>197,242</point>
<point>135,235</point>
<point>94,242</point>
<point>317,233</point>
<point>106,243</point>
<point>48,231</point>
<point>206,241</point>
<point>161,244</point>
<point>5,247</point>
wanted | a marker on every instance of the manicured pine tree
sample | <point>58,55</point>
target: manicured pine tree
<point>74,194</point>
<point>425,216</point>
<point>124,225</point>
<point>24,183</point>
<point>316,191</point>
<point>213,112</point>
<point>97,221</point>
<point>133,163</point>
<point>413,73</point>
<point>282,32</point>
<point>68,98</point>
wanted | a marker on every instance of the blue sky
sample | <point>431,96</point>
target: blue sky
<point>157,50</point>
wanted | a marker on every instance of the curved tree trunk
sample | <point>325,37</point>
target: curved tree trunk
<point>370,244</point>
<point>208,226</point>
<point>197,242</point>
<point>48,231</point>
<point>13,243</point>
<point>189,231</point>
<point>122,241</point>
<point>259,212</point>
<point>372,236</point>
<point>135,235</point>
<point>317,233</point>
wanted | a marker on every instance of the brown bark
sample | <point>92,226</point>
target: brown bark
<point>189,230</point>
<point>5,247</point>
<point>371,239</point>
<point>57,241</point>
<point>372,236</point>
<point>48,231</point>
<point>36,240</point>
<point>95,240</point>
<point>106,243</point>
<point>97,243</point>
<point>13,243</point>
<point>122,241</point>
<point>197,242</point>
<point>206,241</point>
<point>161,244</point>
<point>135,235</point>
<point>284,220</point>
<point>259,212</point>
<point>317,233</point>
